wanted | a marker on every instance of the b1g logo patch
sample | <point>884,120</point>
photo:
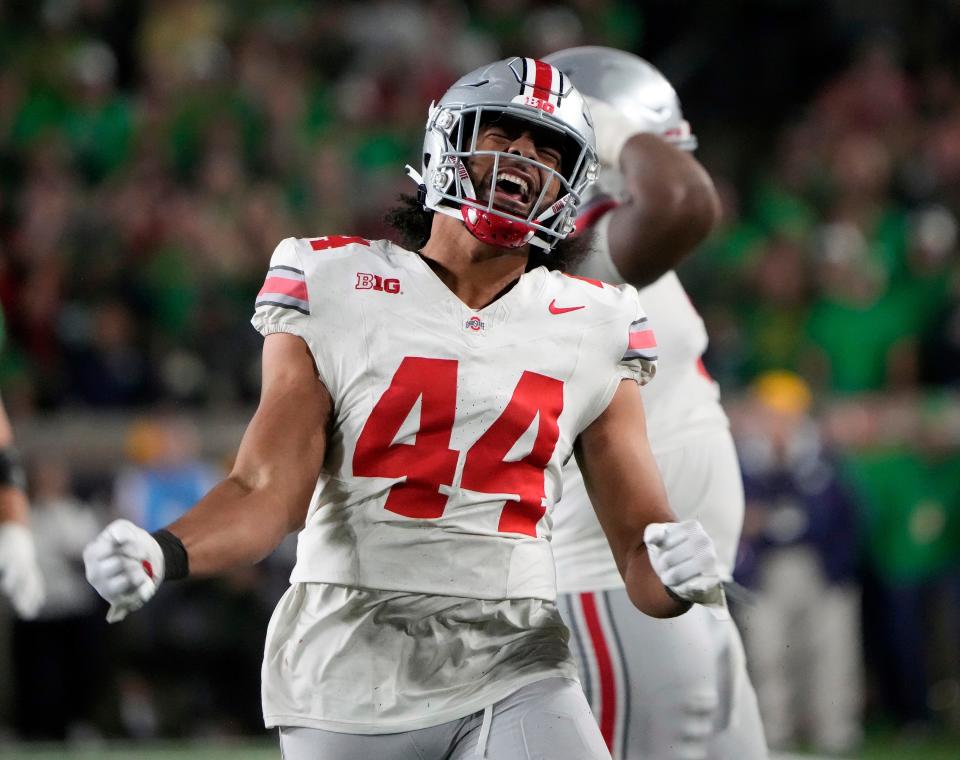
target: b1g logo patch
<point>474,323</point>
<point>367,281</point>
<point>543,105</point>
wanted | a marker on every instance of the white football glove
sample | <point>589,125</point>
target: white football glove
<point>612,130</point>
<point>20,577</point>
<point>685,560</point>
<point>125,565</point>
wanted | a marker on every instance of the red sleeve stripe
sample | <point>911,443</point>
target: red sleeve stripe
<point>641,342</point>
<point>284,286</point>
<point>642,339</point>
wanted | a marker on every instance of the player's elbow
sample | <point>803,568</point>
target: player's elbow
<point>697,205</point>
<point>288,493</point>
<point>658,227</point>
<point>654,601</point>
<point>685,210</point>
<point>658,604</point>
<point>669,185</point>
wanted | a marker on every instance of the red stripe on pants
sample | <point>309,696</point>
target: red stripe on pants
<point>608,688</point>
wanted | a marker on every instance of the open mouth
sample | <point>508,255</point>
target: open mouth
<point>511,190</point>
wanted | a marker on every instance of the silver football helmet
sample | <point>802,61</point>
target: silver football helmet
<point>631,85</point>
<point>525,89</point>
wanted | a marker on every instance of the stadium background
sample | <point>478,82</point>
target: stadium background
<point>153,153</point>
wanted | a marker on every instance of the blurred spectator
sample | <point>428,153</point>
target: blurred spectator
<point>774,318</point>
<point>209,630</point>
<point>799,554</point>
<point>167,477</point>
<point>904,458</point>
<point>153,153</point>
<point>111,369</point>
<point>59,658</point>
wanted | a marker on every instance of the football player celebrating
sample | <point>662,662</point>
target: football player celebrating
<point>416,411</point>
<point>20,577</point>
<point>678,688</point>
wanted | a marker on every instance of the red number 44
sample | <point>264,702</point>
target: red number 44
<point>429,462</point>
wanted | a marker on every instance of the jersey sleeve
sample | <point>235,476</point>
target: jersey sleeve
<point>639,360</point>
<point>283,303</point>
<point>626,349</point>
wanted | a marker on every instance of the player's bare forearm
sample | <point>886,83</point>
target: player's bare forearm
<point>231,526</point>
<point>671,207</point>
<point>645,589</point>
<point>627,493</point>
<point>13,505</point>
<point>267,494</point>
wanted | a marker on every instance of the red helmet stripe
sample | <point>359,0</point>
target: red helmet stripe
<point>544,82</point>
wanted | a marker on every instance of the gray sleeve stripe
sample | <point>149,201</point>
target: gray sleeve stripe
<point>284,306</point>
<point>286,269</point>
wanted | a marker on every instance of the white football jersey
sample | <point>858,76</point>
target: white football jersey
<point>683,404</point>
<point>451,425</point>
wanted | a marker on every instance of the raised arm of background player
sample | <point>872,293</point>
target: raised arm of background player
<point>268,493</point>
<point>669,204</point>
<point>20,577</point>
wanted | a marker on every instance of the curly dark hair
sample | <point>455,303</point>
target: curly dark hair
<point>414,222</point>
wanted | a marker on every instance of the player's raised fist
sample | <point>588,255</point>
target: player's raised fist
<point>20,577</point>
<point>685,560</point>
<point>125,565</point>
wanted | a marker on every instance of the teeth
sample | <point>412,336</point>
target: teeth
<point>516,179</point>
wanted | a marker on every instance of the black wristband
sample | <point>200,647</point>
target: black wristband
<point>11,471</point>
<point>176,565</point>
<point>676,597</point>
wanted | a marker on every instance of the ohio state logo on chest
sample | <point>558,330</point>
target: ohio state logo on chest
<point>367,281</point>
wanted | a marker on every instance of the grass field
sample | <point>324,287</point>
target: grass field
<point>878,748</point>
<point>198,751</point>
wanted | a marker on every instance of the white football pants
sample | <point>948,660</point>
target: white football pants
<point>549,719</point>
<point>672,689</point>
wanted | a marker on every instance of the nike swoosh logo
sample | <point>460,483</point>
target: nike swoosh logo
<point>554,309</point>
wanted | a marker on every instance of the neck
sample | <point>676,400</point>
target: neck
<point>475,272</point>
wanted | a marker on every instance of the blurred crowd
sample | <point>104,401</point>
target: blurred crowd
<point>152,154</point>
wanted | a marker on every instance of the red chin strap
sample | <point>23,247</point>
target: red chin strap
<point>495,230</point>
